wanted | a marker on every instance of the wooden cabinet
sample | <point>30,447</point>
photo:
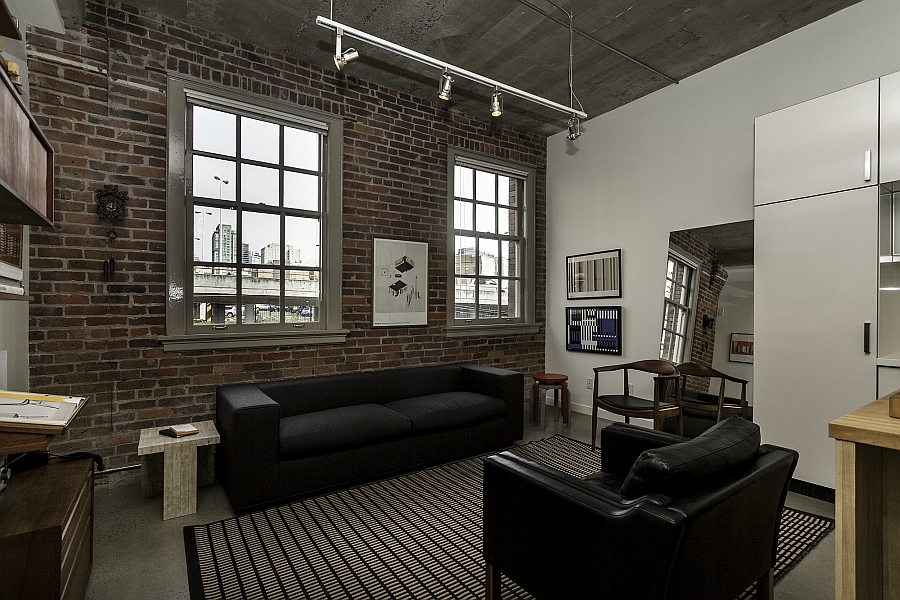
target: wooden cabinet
<point>47,531</point>
<point>825,145</point>
<point>26,163</point>
<point>890,128</point>
<point>815,286</point>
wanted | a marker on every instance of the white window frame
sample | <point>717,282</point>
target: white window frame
<point>523,323</point>
<point>180,332</point>
<point>691,307</point>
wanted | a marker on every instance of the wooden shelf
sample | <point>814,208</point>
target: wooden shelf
<point>15,297</point>
<point>26,169</point>
<point>9,25</point>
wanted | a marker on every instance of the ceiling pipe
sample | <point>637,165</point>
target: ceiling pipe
<point>439,64</point>
<point>596,41</point>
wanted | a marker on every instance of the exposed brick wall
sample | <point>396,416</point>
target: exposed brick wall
<point>97,338</point>
<point>712,279</point>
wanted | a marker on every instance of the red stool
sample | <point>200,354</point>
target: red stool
<point>542,383</point>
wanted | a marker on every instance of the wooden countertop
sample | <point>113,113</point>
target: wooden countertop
<point>869,425</point>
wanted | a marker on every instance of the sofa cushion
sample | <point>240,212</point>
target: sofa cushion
<point>448,410</point>
<point>337,429</point>
<point>312,394</point>
<point>398,384</point>
<point>674,469</point>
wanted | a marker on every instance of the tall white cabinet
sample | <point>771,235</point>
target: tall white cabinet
<point>816,270</point>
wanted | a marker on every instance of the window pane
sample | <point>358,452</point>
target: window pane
<point>301,149</point>
<point>259,140</point>
<point>463,215</point>
<point>462,182</point>
<point>506,191</point>
<point>301,238</point>
<point>507,221</point>
<point>214,131</point>
<point>207,220</point>
<point>485,218</point>
<point>488,299</point>
<point>224,243</point>
<point>509,265</point>
<point>509,305</point>
<point>301,291</point>
<point>259,185</point>
<point>267,312</point>
<point>465,255</point>
<point>464,301</point>
<point>485,186</point>
<point>262,234</point>
<point>301,191</point>
<point>488,264</point>
<point>215,313</point>
<point>205,184</point>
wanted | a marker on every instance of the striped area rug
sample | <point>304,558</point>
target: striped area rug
<point>415,536</point>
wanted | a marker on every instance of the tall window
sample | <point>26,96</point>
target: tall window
<point>255,197</point>
<point>492,221</point>
<point>679,301</point>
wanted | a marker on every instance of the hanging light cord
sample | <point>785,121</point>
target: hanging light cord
<point>572,97</point>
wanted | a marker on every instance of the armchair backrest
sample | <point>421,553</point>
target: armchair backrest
<point>665,372</point>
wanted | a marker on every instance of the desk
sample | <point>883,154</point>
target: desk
<point>867,503</point>
<point>176,474</point>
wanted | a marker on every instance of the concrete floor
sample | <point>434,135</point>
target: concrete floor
<point>138,555</point>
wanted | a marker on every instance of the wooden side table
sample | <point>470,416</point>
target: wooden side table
<point>176,473</point>
<point>549,381</point>
<point>867,503</point>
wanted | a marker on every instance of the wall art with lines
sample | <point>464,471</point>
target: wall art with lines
<point>594,329</point>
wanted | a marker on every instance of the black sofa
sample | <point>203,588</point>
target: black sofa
<point>293,437</point>
<point>664,520</point>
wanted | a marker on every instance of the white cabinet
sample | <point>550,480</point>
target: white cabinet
<point>816,281</point>
<point>825,145</point>
<point>890,128</point>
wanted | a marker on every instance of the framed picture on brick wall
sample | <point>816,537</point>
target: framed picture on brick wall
<point>400,285</point>
<point>594,275</point>
<point>741,348</point>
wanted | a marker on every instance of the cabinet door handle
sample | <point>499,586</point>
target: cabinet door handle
<point>868,167</point>
<point>867,329</point>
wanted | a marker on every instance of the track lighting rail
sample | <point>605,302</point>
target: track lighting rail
<point>439,64</point>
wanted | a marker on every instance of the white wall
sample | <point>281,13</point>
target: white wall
<point>736,300</point>
<point>683,158</point>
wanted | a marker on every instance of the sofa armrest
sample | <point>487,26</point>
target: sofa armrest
<point>546,529</point>
<point>248,423</point>
<point>622,443</point>
<point>507,385</point>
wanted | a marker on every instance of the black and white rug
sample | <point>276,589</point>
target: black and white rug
<point>415,536</point>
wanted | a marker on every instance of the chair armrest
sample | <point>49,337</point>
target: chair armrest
<point>248,422</point>
<point>547,530</point>
<point>507,385</point>
<point>621,444</point>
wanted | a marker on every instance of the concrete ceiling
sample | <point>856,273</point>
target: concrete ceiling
<point>509,41</point>
<point>733,242</point>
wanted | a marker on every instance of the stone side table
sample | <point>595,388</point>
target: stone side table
<point>186,462</point>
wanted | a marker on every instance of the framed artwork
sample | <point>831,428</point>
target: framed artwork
<point>741,349</point>
<point>594,329</point>
<point>11,251</point>
<point>594,275</point>
<point>400,287</point>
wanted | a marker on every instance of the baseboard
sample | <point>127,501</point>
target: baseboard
<point>812,490</point>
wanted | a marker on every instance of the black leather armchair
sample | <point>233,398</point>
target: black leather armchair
<point>684,520</point>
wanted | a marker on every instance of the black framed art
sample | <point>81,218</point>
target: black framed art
<point>594,275</point>
<point>594,329</point>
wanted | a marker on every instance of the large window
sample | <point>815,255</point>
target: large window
<point>491,243</point>
<point>253,183</point>
<point>679,302</point>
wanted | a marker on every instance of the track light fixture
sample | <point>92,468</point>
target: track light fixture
<point>342,59</point>
<point>496,102</point>
<point>444,85</point>
<point>574,128</point>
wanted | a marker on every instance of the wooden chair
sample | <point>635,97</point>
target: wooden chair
<point>658,409</point>
<point>720,405</point>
